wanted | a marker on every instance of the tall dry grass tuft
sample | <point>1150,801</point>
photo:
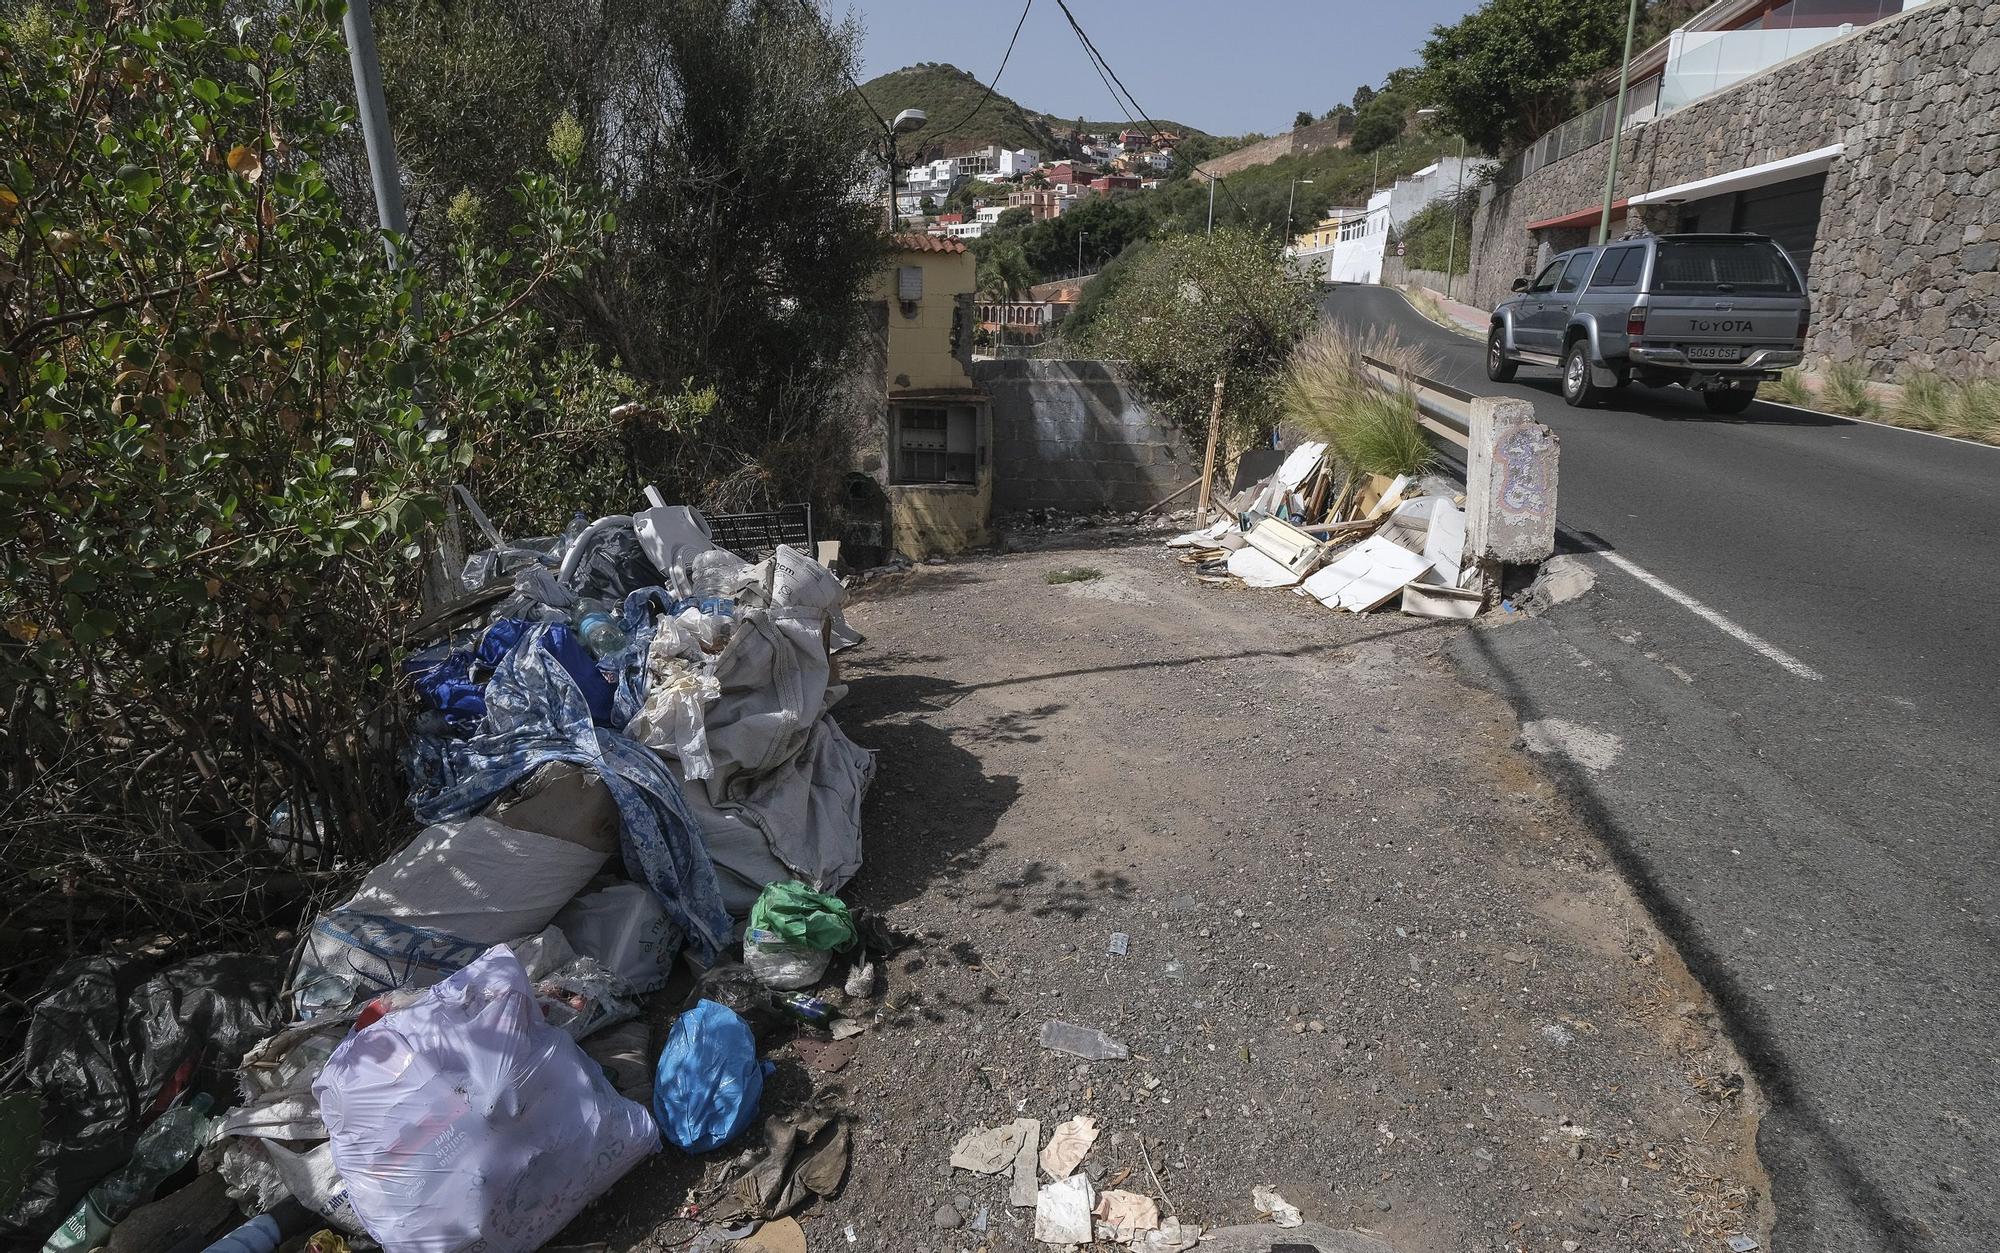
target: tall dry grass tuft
<point>1329,393</point>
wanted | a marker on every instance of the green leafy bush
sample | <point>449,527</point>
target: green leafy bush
<point>1196,306</point>
<point>228,424</point>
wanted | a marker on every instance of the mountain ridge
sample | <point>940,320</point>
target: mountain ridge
<point>951,97</point>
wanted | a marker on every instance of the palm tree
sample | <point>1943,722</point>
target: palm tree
<point>1003,276</point>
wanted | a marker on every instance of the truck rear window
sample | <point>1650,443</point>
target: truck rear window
<point>1747,266</point>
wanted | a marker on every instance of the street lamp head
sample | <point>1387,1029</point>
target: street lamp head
<point>909,120</point>
<point>1427,111</point>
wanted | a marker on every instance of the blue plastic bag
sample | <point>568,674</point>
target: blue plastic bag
<point>709,1081</point>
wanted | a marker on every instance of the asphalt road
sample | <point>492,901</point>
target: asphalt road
<point>1821,841</point>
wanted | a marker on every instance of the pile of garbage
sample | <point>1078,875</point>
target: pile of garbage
<point>1355,548</point>
<point>627,769</point>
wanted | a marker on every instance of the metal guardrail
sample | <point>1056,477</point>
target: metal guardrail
<point>1442,408</point>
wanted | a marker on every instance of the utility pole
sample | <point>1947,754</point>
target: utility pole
<point>375,134</point>
<point>891,142</point>
<point>1080,237</point>
<point>1451,249</point>
<point>1211,204</point>
<point>1208,457</point>
<point>1617,123</point>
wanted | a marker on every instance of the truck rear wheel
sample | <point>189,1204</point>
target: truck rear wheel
<point>1729,399</point>
<point>1498,368</point>
<point>1580,389</point>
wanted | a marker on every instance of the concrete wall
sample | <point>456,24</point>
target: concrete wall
<point>1906,267</point>
<point>1068,435</point>
<point>1396,274</point>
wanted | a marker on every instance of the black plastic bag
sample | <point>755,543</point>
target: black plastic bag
<point>616,567</point>
<point>111,1043</point>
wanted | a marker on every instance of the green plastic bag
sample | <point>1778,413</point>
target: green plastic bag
<point>798,915</point>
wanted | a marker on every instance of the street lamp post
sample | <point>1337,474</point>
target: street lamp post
<point>376,137</point>
<point>1617,123</point>
<point>1080,237</point>
<point>908,121</point>
<point>1289,197</point>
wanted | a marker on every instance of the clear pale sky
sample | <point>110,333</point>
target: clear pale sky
<point>1225,66</point>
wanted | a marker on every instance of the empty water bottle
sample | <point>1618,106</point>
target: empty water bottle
<point>602,635</point>
<point>1085,1042</point>
<point>164,1147</point>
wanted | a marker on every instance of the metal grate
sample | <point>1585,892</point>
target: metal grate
<point>755,536</point>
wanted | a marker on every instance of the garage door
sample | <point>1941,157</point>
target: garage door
<point>1788,212</point>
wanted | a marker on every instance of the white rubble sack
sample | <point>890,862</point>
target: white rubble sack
<point>478,880</point>
<point>466,1121</point>
<point>784,798</point>
<point>626,929</point>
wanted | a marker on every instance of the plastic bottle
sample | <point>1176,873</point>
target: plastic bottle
<point>602,635</point>
<point>167,1145</point>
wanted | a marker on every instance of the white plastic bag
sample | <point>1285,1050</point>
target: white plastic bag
<point>466,1120</point>
<point>627,930</point>
<point>777,964</point>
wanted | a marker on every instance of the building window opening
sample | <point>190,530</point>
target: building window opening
<point>936,443</point>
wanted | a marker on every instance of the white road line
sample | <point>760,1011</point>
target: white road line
<point>1713,618</point>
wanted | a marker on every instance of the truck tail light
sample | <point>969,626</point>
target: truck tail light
<point>1805,324</point>
<point>1635,322</point>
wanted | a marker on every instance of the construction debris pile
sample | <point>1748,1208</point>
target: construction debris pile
<point>626,767</point>
<point>1355,548</point>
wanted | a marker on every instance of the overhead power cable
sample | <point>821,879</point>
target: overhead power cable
<point>859,94</point>
<point>1122,96</point>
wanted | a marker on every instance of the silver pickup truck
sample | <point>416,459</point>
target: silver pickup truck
<point>1714,313</point>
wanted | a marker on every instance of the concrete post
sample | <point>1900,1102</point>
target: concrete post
<point>1510,485</point>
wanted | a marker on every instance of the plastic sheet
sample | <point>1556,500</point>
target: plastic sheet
<point>780,965</point>
<point>795,914</point>
<point>709,1081</point>
<point>466,1120</point>
<point>678,694</point>
<point>111,1045</point>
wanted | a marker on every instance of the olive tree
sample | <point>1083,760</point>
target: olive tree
<point>1195,308</point>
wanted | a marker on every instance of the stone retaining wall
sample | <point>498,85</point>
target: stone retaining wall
<point>1906,267</point>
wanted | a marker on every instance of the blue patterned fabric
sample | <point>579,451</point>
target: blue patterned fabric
<point>535,714</point>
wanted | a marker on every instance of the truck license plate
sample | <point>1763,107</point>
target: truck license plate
<point>1713,352</point>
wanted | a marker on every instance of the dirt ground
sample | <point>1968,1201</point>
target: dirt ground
<point>1373,961</point>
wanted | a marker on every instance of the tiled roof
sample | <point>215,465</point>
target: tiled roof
<point>907,242</point>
